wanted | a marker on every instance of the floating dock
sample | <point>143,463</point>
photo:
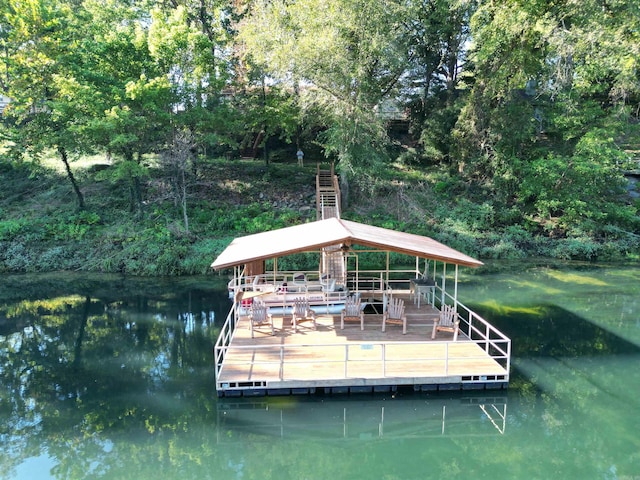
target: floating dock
<point>329,359</point>
<point>324,357</point>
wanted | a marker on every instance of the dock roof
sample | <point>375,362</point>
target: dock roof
<point>314,236</point>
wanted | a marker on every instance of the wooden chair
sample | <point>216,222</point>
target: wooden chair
<point>300,282</point>
<point>259,315</point>
<point>352,311</point>
<point>301,312</point>
<point>394,314</point>
<point>328,283</point>
<point>447,322</point>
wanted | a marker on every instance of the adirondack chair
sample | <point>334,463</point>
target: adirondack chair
<point>394,314</point>
<point>352,311</point>
<point>300,282</point>
<point>301,312</point>
<point>328,284</point>
<point>447,322</point>
<point>259,315</point>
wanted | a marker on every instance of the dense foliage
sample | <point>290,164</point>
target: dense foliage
<point>503,128</point>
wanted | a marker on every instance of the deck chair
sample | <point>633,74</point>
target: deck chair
<point>259,315</point>
<point>447,322</point>
<point>300,282</point>
<point>328,283</point>
<point>301,312</point>
<point>394,314</point>
<point>352,311</point>
<point>330,286</point>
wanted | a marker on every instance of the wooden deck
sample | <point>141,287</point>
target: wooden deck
<point>352,360</point>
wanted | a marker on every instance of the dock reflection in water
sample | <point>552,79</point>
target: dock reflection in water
<point>360,419</point>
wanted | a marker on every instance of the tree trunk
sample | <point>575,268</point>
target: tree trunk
<point>137,194</point>
<point>184,203</point>
<point>344,191</point>
<point>65,159</point>
<point>265,153</point>
<point>137,190</point>
<point>77,347</point>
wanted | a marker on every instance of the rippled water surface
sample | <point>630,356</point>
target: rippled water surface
<point>109,378</point>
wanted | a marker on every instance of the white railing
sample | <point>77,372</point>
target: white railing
<point>360,280</point>
<point>495,343</point>
<point>224,339</point>
<point>344,361</point>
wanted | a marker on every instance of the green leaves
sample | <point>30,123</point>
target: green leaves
<point>344,58</point>
<point>577,189</point>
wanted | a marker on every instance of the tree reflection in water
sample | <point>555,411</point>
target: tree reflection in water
<point>105,377</point>
<point>87,359</point>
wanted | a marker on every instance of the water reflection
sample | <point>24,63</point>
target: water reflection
<point>105,377</point>
<point>365,418</point>
<point>84,360</point>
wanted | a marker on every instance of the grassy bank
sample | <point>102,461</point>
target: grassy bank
<point>41,228</point>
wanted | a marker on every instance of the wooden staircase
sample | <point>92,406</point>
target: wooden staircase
<point>327,194</point>
<point>328,206</point>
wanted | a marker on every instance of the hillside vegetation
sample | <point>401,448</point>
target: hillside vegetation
<point>41,228</point>
<point>504,129</point>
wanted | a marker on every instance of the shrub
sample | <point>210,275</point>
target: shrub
<point>10,228</point>
<point>503,248</point>
<point>73,227</point>
<point>576,248</point>
<point>52,259</point>
<point>17,258</point>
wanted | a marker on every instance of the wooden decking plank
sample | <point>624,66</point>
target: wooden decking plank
<point>286,358</point>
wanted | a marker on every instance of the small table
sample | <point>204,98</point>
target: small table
<point>418,287</point>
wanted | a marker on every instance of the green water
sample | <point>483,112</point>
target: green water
<point>106,378</point>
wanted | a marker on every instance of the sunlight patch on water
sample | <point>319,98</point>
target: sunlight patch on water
<point>531,285</point>
<point>576,278</point>
<point>499,308</point>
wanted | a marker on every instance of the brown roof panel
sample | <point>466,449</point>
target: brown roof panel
<point>314,236</point>
<point>409,243</point>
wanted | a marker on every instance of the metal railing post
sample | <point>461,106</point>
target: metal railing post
<point>384,360</point>
<point>446,358</point>
<point>281,362</point>
<point>346,358</point>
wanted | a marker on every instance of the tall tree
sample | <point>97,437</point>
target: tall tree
<point>438,35</point>
<point>134,94</point>
<point>347,57</point>
<point>189,42</point>
<point>81,78</point>
<point>47,103</point>
<point>550,81</point>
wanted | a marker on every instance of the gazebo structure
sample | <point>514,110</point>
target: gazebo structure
<point>386,273</point>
